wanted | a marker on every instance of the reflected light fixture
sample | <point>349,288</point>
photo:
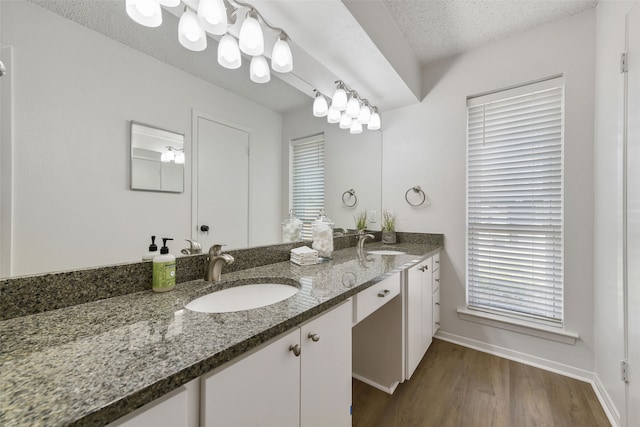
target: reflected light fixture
<point>214,17</point>
<point>190,33</point>
<point>281,58</point>
<point>145,12</point>
<point>333,115</point>
<point>229,52</point>
<point>259,69</point>
<point>351,114</point>
<point>251,38</point>
<point>320,106</point>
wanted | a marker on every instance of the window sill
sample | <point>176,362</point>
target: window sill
<point>523,327</point>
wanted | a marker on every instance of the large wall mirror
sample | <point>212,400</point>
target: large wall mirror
<point>70,204</point>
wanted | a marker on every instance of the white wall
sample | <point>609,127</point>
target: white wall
<point>74,94</point>
<point>351,161</point>
<point>426,145</point>
<point>608,274</point>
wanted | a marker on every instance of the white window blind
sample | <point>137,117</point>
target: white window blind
<point>515,202</point>
<point>307,180</point>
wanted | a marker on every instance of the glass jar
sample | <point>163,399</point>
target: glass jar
<point>322,232</point>
<point>291,228</point>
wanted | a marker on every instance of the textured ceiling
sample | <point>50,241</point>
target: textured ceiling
<point>439,28</point>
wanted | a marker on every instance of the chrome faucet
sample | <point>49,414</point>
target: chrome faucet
<point>362,237</point>
<point>215,262</point>
<point>339,232</point>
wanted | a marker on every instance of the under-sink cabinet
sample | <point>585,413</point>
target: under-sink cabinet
<point>302,378</point>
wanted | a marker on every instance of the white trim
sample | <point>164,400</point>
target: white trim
<point>521,326</point>
<point>538,362</point>
<point>6,165</point>
<point>605,400</point>
<point>388,390</point>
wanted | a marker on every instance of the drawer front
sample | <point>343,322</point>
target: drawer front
<point>435,281</point>
<point>376,296</point>
<point>436,261</point>
<point>436,311</point>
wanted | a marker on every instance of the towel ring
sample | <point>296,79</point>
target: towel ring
<point>352,195</point>
<point>415,189</point>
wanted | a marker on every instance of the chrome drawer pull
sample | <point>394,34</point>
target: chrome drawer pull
<point>314,337</point>
<point>438,280</point>
<point>437,303</point>
<point>384,293</point>
<point>438,323</point>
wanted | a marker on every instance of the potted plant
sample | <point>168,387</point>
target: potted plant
<point>361,220</point>
<point>388,226</point>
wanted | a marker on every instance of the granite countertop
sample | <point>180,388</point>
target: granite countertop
<point>92,363</point>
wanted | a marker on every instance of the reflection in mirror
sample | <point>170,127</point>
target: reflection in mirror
<point>157,159</point>
<point>71,200</point>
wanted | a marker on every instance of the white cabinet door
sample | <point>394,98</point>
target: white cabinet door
<point>261,389</point>
<point>413,315</point>
<point>436,311</point>
<point>326,369</point>
<point>179,408</point>
<point>427,310</point>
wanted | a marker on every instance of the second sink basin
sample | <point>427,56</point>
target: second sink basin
<point>243,297</point>
<point>386,252</point>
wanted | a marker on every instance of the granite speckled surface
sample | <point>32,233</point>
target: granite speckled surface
<point>92,363</point>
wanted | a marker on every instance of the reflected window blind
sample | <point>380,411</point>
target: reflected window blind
<point>515,202</point>
<point>307,180</point>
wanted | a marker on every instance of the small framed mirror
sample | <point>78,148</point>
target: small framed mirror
<point>157,159</point>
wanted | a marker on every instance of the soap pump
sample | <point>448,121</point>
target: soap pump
<point>153,250</point>
<point>164,269</point>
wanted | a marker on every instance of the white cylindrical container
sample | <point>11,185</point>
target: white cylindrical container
<point>322,232</point>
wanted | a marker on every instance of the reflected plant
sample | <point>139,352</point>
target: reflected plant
<point>361,220</point>
<point>389,220</point>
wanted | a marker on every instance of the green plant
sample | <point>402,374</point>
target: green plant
<point>361,220</point>
<point>388,221</point>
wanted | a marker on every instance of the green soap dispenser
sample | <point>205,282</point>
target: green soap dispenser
<point>164,269</point>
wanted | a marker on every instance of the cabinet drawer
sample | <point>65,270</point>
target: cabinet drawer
<point>371,299</point>
<point>436,261</point>
<point>435,281</point>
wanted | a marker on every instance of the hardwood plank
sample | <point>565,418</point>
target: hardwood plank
<point>455,386</point>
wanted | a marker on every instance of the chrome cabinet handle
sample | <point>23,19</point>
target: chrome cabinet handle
<point>295,349</point>
<point>423,268</point>
<point>438,323</point>
<point>438,280</point>
<point>437,303</point>
<point>314,337</point>
<point>384,293</point>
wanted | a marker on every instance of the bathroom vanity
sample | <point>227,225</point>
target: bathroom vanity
<point>143,358</point>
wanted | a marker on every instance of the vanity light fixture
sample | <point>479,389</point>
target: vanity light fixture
<point>145,12</point>
<point>351,114</point>
<point>320,106</point>
<point>214,17</point>
<point>190,33</point>
<point>172,154</point>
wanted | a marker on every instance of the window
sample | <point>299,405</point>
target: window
<point>307,179</point>
<point>515,202</point>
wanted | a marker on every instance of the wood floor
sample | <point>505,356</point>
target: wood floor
<point>458,386</point>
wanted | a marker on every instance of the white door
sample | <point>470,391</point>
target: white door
<point>633,213</point>
<point>222,185</point>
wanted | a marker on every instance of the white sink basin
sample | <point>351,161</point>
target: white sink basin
<point>386,252</point>
<point>243,297</point>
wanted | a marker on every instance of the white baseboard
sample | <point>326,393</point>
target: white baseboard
<point>606,402</point>
<point>538,362</point>
<point>388,390</point>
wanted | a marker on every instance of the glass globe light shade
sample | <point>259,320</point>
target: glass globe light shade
<point>251,38</point>
<point>339,99</point>
<point>333,115</point>
<point>259,69</point>
<point>353,107</point>
<point>320,106</point>
<point>229,53</point>
<point>190,34</point>
<point>167,156</point>
<point>281,59</point>
<point>212,16</point>
<point>169,3</point>
<point>374,121</point>
<point>356,127</point>
<point>145,12</point>
<point>179,159</point>
<point>365,114</point>
<point>345,121</point>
